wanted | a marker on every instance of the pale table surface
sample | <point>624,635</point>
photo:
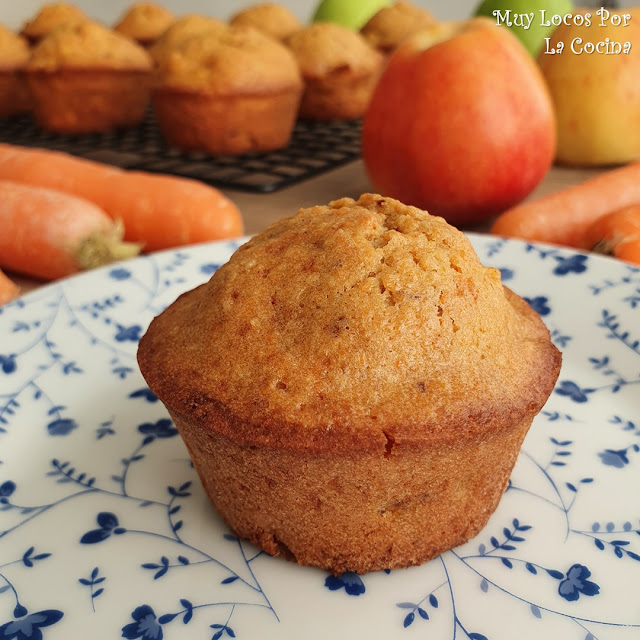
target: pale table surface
<point>260,210</point>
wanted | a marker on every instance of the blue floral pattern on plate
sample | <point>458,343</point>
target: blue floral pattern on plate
<point>105,531</point>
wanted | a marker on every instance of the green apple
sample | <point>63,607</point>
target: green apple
<point>531,20</point>
<point>349,13</point>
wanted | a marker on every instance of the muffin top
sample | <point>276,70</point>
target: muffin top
<point>351,325</point>
<point>228,60</point>
<point>182,29</point>
<point>391,25</point>
<point>324,47</point>
<point>270,18</point>
<point>14,49</point>
<point>88,44</point>
<point>145,22</point>
<point>52,16</point>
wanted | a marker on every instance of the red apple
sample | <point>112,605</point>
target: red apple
<point>461,122</point>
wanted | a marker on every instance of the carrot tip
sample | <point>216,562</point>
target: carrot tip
<point>100,248</point>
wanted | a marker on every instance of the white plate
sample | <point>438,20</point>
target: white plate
<point>105,531</point>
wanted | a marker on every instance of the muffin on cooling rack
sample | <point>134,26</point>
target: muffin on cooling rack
<point>231,90</point>
<point>270,18</point>
<point>390,26</point>
<point>50,17</point>
<point>340,70</point>
<point>182,29</point>
<point>86,78</point>
<point>353,386</point>
<point>145,22</point>
<point>14,53</point>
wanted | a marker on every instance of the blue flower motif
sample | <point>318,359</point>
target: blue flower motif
<point>8,363</point>
<point>146,625</point>
<point>573,264</point>
<point>162,429</point>
<point>61,427</point>
<point>506,274</point>
<point>209,268</point>
<point>108,524</point>
<point>540,304</point>
<point>28,628</point>
<point>573,391</point>
<point>576,583</point>
<point>131,333</point>
<point>6,489</point>
<point>145,393</point>
<point>614,457</point>
<point>120,273</point>
<point>351,582</point>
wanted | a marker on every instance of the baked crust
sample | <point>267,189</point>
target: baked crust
<point>353,385</point>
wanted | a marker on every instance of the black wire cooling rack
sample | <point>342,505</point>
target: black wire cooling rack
<point>314,149</point>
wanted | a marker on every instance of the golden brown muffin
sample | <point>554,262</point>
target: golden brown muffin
<point>353,386</point>
<point>145,22</point>
<point>50,17</point>
<point>392,25</point>
<point>86,78</point>
<point>231,91</point>
<point>339,68</point>
<point>270,18</point>
<point>14,53</point>
<point>182,29</point>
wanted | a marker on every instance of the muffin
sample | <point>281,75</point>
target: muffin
<point>270,18</point>
<point>182,29</point>
<point>353,386</point>
<point>339,68</point>
<point>50,17</point>
<point>227,91</point>
<point>145,22</point>
<point>87,78</point>
<point>14,53</point>
<point>392,25</point>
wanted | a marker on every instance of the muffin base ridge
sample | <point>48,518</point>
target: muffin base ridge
<point>354,511</point>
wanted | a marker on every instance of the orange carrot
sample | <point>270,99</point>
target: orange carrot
<point>617,234</point>
<point>563,217</point>
<point>8,289</point>
<point>160,211</point>
<point>49,234</point>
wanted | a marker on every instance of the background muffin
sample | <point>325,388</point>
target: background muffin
<point>270,18</point>
<point>227,91</point>
<point>182,29</point>
<point>392,25</point>
<point>50,17</point>
<point>145,22</point>
<point>88,78</point>
<point>339,68</point>
<point>353,385</point>
<point>14,53</point>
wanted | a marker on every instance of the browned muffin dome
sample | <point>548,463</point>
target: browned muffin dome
<point>270,18</point>
<point>14,53</point>
<point>390,26</point>
<point>85,77</point>
<point>339,68</point>
<point>50,17</point>
<point>353,386</point>
<point>227,90</point>
<point>145,22</point>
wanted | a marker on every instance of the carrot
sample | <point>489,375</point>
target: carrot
<point>160,211</point>
<point>563,217</point>
<point>8,289</point>
<point>617,234</point>
<point>49,234</point>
